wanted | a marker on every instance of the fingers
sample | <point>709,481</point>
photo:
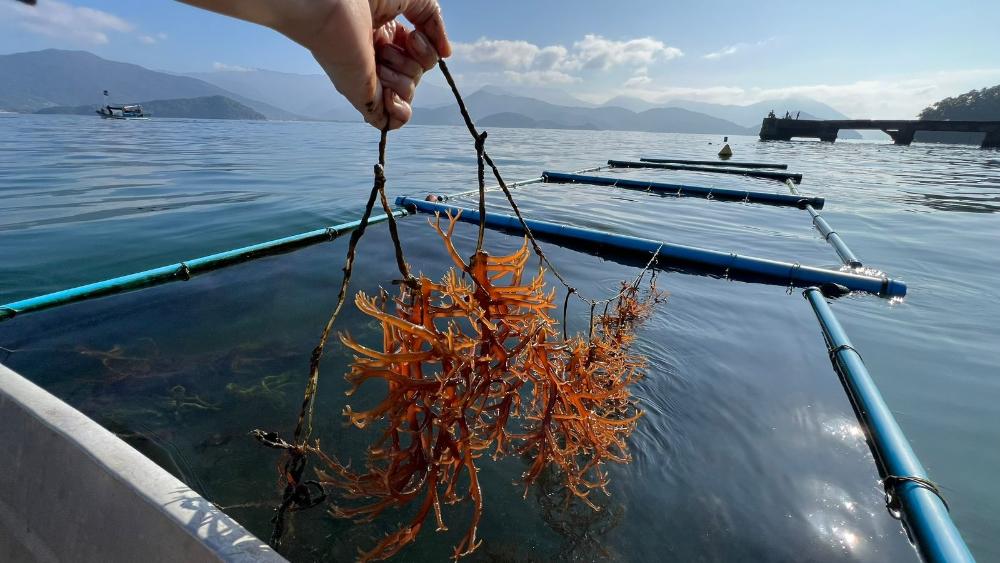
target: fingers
<point>398,60</point>
<point>402,85</point>
<point>398,110</point>
<point>425,15</point>
<point>421,50</point>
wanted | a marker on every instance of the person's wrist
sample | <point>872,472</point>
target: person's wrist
<point>301,21</point>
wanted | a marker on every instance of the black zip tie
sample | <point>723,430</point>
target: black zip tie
<point>184,272</point>
<point>791,272</point>
<point>841,348</point>
<point>892,482</point>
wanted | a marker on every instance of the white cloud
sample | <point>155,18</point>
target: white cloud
<point>596,52</point>
<point>64,21</point>
<point>639,79</point>
<point>593,52</point>
<point>725,51</point>
<point>153,39</point>
<point>230,68</point>
<point>540,77</point>
<point>733,49</point>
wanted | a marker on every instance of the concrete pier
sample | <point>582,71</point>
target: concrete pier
<point>901,130</point>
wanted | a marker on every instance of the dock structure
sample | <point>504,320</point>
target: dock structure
<point>901,130</point>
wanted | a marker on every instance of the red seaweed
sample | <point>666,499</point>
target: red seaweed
<point>474,365</point>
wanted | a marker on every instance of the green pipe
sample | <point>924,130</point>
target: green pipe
<point>183,270</point>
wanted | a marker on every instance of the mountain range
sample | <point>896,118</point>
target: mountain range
<point>36,80</point>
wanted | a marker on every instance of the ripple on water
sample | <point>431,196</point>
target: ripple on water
<point>748,449</point>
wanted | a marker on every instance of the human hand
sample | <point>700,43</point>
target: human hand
<point>373,59</point>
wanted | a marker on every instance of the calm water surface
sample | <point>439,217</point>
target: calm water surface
<point>749,450</point>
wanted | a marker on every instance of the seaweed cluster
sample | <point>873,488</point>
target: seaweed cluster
<point>473,365</point>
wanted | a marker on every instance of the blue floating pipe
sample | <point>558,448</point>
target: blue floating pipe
<point>715,163</point>
<point>785,271</point>
<point>924,513</point>
<point>770,175</point>
<point>182,270</point>
<point>829,235</point>
<point>686,190</point>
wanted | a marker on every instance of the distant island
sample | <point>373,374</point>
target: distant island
<point>975,105</point>
<point>204,107</point>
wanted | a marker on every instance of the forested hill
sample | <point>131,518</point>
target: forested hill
<point>977,105</point>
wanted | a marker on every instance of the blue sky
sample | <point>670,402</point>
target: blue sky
<point>868,59</point>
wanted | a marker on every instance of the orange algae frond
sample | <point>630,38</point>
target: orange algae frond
<point>474,365</point>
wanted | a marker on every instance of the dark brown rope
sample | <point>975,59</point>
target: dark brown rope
<point>304,426</point>
<point>297,494</point>
<point>481,150</point>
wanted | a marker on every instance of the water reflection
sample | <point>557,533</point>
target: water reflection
<point>978,202</point>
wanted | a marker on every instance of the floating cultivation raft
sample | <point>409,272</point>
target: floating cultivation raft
<point>780,273</point>
<point>780,176</point>
<point>682,190</point>
<point>723,163</point>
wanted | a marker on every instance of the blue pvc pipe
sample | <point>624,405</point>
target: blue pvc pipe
<point>182,270</point>
<point>829,235</point>
<point>686,190</point>
<point>724,163</point>
<point>785,271</point>
<point>925,515</point>
<point>780,176</point>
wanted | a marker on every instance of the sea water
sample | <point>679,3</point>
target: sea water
<point>749,449</point>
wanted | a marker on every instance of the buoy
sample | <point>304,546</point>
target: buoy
<point>726,152</point>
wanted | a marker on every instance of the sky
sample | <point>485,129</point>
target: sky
<point>868,59</point>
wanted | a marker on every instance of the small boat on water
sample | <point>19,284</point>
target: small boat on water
<point>124,111</point>
<point>133,111</point>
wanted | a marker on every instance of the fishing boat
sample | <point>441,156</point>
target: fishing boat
<point>133,111</point>
<point>124,111</point>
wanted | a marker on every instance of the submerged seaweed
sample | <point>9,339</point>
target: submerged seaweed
<point>474,364</point>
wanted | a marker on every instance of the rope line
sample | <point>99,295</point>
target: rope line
<point>892,483</point>
<point>471,126</point>
<point>836,350</point>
